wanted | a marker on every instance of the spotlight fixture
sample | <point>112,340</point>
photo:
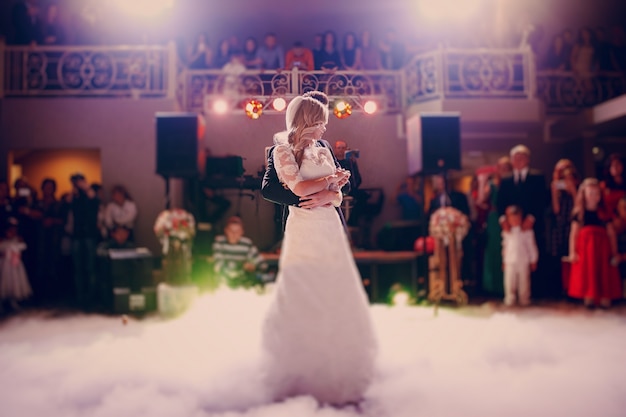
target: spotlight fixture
<point>399,296</point>
<point>254,109</point>
<point>342,109</point>
<point>220,106</point>
<point>279,104</point>
<point>370,107</point>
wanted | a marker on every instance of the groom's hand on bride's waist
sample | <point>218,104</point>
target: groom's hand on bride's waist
<point>319,199</point>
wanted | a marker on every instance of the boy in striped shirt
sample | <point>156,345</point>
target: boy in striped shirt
<point>237,260</point>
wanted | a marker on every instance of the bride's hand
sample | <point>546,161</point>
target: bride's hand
<point>341,176</point>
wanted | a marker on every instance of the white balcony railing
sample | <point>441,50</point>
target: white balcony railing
<point>87,71</point>
<point>478,73</point>
<point>198,89</point>
<point>154,71</point>
<point>565,92</point>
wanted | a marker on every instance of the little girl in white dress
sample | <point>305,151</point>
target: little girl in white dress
<point>14,285</point>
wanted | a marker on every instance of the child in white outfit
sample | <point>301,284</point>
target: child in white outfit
<point>519,257</point>
<point>14,285</point>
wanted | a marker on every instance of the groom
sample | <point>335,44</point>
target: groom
<point>273,190</point>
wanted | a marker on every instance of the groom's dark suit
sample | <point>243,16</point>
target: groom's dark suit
<point>272,189</point>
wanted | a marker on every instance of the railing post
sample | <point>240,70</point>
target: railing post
<point>295,81</point>
<point>2,63</point>
<point>530,73</point>
<point>441,72</point>
<point>172,69</point>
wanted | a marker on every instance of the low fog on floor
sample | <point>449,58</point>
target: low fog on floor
<point>476,361</point>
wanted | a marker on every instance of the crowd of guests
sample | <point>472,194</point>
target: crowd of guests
<point>328,52</point>
<point>585,52</point>
<point>588,51</point>
<point>528,239</point>
<point>566,238</point>
<point>49,244</point>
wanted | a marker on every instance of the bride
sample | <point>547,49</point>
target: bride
<point>318,337</point>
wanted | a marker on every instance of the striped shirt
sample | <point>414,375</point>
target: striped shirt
<point>230,258</point>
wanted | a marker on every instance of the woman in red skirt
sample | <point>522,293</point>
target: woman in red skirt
<point>593,251</point>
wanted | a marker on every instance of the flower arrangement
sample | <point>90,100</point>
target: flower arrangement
<point>175,224</point>
<point>448,222</point>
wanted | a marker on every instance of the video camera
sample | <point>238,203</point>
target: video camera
<point>353,153</point>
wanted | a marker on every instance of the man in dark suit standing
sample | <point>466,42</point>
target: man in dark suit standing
<point>445,198</point>
<point>526,188</point>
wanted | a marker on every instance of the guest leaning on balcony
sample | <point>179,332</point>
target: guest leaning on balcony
<point>370,55</point>
<point>392,51</point>
<point>53,33</point>
<point>222,55</point>
<point>200,54</point>
<point>27,27</point>
<point>557,57</point>
<point>250,47</point>
<point>271,55</point>
<point>329,58</point>
<point>299,57</point>
<point>350,53</point>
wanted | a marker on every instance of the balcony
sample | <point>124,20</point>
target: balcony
<point>471,81</point>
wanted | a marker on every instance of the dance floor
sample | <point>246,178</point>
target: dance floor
<point>547,360</point>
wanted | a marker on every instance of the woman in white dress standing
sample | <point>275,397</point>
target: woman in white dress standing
<point>318,336</point>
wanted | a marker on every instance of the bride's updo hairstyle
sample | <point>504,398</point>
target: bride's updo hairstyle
<point>302,116</point>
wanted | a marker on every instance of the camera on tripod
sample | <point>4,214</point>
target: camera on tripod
<point>353,153</point>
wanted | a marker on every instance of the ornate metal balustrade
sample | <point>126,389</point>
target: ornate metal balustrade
<point>137,71</point>
<point>565,92</point>
<point>198,89</point>
<point>453,73</point>
<point>153,71</point>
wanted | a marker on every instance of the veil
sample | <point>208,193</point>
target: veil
<point>283,137</point>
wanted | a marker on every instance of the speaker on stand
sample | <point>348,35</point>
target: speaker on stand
<point>177,147</point>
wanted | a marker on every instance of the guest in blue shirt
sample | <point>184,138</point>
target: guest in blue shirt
<point>271,55</point>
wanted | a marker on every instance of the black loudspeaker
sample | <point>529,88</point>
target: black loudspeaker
<point>433,142</point>
<point>177,145</point>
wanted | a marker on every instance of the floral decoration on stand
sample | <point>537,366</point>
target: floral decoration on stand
<point>447,222</point>
<point>175,224</point>
<point>176,229</point>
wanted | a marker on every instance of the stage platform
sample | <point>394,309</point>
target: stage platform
<point>374,267</point>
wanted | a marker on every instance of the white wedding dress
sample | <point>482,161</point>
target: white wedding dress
<point>318,337</point>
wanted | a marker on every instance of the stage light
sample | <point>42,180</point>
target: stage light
<point>342,109</point>
<point>145,8</point>
<point>279,104</point>
<point>438,10</point>
<point>370,107</point>
<point>254,109</point>
<point>401,298</point>
<point>220,106</point>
